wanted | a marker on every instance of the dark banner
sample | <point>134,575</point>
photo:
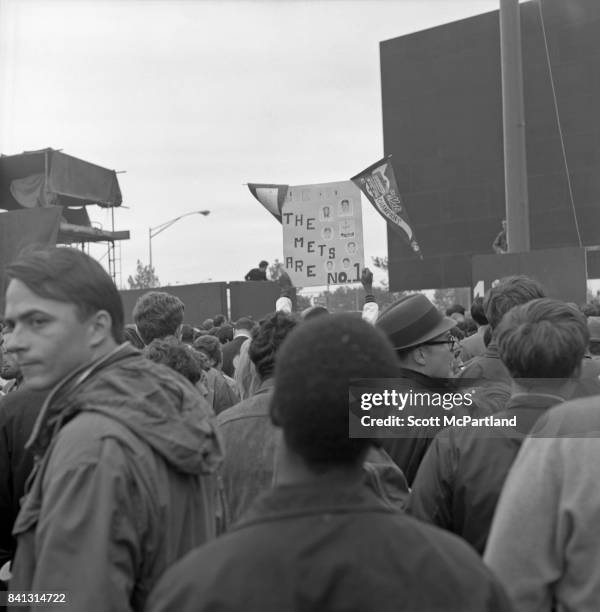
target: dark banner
<point>270,196</point>
<point>378,183</point>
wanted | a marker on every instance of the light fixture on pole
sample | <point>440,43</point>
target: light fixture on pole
<point>155,231</point>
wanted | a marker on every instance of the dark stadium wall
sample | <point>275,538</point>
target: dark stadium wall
<point>204,300</point>
<point>442,123</point>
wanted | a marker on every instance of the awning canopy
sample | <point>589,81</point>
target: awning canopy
<point>49,177</point>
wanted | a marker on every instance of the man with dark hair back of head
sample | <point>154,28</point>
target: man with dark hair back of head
<point>478,312</point>
<point>242,330</point>
<point>320,539</point>
<point>543,339</point>
<point>158,314</point>
<point>115,431</point>
<point>456,312</point>
<point>510,291</point>
<point>258,274</point>
<point>487,372</point>
<point>208,324</point>
<point>225,333</point>
<point>211,347</point>
<point>474,345</point>
<point>224,392</point>
<point>175,355</point>
<point>187,334</point>
<point>543,544</point>
<point>219,320</point>
<point>247,427</point>
<point>460,479</point>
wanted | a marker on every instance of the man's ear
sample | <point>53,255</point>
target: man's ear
<point>101,328</point>
<point>419,356</point>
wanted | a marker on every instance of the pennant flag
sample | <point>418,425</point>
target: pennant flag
<point>270,196</point>
<point>378,183</point>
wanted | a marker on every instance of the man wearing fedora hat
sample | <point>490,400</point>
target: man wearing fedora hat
<point>417,329</point>
<point>426,350</point>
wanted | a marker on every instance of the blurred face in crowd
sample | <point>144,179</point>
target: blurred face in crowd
<point>8,363</point>
<point>458,317</point>
<point>47,338</point>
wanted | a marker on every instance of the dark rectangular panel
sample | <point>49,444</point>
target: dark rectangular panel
<point>562,272</point>
<point>442,122</point>
<point>202,300</point>
<point>253,299</point>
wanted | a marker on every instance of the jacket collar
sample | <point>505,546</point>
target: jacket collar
<point>266,386</point>
<point>528,408</point>
<point>534,400</point>
<point>425,381</point>
<point>492,350</point>
<point>57,408</point>
<point>327,497</point>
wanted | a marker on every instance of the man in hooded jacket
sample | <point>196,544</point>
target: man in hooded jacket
<point>124,447</point>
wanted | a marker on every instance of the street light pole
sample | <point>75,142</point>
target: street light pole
<point>155,231</point>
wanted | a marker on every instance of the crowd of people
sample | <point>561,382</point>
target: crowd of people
<point>165,466</point>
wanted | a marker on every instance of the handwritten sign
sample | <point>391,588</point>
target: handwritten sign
<point>322,234</point>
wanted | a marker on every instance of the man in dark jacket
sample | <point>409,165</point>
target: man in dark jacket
<point>320,540</point>
<point>426,352</point>
<point>18,413</point>
<point>124,447</point>
<point>258,274</point>
<point>487,371</point>
<point>461,477</point>
<point>223,388</point>
<point>158,314</point>
<point>246,428</point>
<point>231,350</point>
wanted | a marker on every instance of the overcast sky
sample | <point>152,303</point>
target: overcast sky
<point>195,98</point>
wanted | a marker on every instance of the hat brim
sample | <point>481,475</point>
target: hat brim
<point>446,324</point>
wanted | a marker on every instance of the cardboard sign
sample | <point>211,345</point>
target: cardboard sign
<point>322,234</point>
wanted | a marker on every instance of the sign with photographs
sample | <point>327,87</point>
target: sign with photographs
<point>322,234</point>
